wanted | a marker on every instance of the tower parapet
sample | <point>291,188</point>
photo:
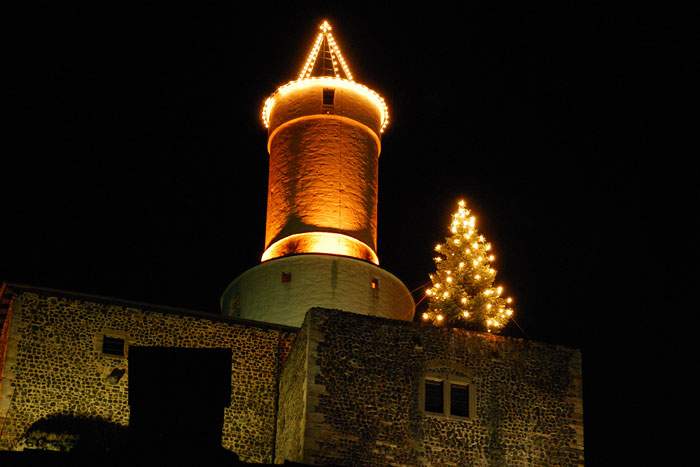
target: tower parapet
<point>324,141</point>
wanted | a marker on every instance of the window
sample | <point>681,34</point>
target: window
<point>433,396</point>
<point>446,391</point>
<point>286,277</point>
<point>328,100</point>
<point>459,400</point>
<point>328,96</point>
<point>113,346</point>
<point>374,283</point>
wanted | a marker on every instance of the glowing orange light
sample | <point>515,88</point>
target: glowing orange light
<point>332,82</point>
<point>320,242</point>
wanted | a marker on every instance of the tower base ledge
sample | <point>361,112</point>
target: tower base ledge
<point>282,290</point>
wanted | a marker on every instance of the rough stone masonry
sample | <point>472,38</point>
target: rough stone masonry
<point>55,365</point>
<point>345,389</point>
<point>352,385</point>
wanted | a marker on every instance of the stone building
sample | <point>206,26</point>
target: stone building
<point>327,364</point>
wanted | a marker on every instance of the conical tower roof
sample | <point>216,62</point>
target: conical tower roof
<point>325,58</point>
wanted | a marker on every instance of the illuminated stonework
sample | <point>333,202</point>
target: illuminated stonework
<point>324,133</point>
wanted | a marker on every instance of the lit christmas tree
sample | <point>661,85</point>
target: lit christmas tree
<point>463,292</point>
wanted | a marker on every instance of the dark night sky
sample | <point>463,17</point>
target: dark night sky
<point>138,166</point>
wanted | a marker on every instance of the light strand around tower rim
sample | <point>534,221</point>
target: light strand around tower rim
<point>306,80</point>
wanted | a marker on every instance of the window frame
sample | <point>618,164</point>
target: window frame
<point>448,379</point>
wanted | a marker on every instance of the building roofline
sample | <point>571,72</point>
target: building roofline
<point>469,332</point>
<point>165,309</point>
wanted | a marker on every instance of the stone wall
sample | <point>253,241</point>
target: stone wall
<point>362,396</point>
<point>291,418</point>
<point>55,366</point>
<point>349,385</point>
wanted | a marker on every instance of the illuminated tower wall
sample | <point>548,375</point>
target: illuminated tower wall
<point>324,142</point>
<point>323,170</point>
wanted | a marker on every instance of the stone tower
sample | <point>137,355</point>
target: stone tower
<point>324,141</point>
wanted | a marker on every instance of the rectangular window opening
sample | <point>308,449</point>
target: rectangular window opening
<point>328,96</point>
<point>286,277</point>
<point>113,346</point>
<point>433,396</point>
<point>374,283</point>
<point>459,400</point>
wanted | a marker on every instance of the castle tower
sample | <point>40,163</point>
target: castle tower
<point>324,141</point>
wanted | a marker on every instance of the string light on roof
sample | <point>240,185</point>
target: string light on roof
<point>311,58</point>
<point>342,78</point>
<point>334,52</point>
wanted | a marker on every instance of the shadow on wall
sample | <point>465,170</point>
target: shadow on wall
<point>72,440</point>
<point>176,397</point>
<point>73,433</point>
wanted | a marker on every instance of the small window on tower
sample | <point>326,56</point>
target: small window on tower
<point>374,283</point>
<point>328,96</point>
<point>113,346</point>
<point>286,277</point>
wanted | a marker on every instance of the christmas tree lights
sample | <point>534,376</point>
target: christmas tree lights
<point>463,292</point>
